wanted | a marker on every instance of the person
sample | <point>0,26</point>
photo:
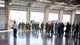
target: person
<point>28,26</point>
<point>63,28</point>
<point>68,28</point>
<point>42,26</point>
<point>14,27</point>
<point>56,30</point>
<point>76,30</point>
<point>52,26</point>
<point>23,24</point>
<point>79,31</point>
<point>59,28</point>
<point>19,25</point>
<point>46,27</point>
<point>74,26</point>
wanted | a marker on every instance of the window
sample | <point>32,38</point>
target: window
<point>18,16</point>
<point>66,18</point>
<point>53,17</point>
<point>37,16</point>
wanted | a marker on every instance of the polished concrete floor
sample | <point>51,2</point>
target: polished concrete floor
<point>35,38</point>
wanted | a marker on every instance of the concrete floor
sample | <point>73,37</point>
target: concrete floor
<point>35,38</point>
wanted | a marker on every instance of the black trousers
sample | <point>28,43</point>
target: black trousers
<point>15,32</point>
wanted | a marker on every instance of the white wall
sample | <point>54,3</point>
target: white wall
<point>77,18</point>
<point>2,18</point>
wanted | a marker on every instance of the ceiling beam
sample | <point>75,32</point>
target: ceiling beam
<point>70,1</point>
<point>52,3</point>
<point>8,1</point>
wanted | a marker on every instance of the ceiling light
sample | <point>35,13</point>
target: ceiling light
<point>2,5</point>
<point>2,2</point>
<point>41,0</point>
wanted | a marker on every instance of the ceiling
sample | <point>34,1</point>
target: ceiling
<point>52,4</point>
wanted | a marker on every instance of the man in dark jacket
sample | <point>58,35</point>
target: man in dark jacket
<point>52,26</point>
<point>42,26</point>
<point>68,28</point>
<point>76,30</point>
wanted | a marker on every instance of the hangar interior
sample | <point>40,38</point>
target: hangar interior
<point>39,11</point>
<point>59,7</point>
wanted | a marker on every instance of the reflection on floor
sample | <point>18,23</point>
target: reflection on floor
<point>35,38</point>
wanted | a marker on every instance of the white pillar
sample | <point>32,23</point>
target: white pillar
<point>60,16</point>
<point>7,14</point>
<point>46,14</point>
<point>28,13</point>
<point>72,16</point>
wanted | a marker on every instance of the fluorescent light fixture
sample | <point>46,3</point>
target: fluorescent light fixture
<point>41,0</point>
<point>78,12</point>
<point>2,5</point>
<point>2,2</point>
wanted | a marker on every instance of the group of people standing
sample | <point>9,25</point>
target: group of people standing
<point>61,28</point>
<point>24,26</point>
<point>57,28</point>
<point>35,26</point>
<point>28,26</point>
<point>76,30</point>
